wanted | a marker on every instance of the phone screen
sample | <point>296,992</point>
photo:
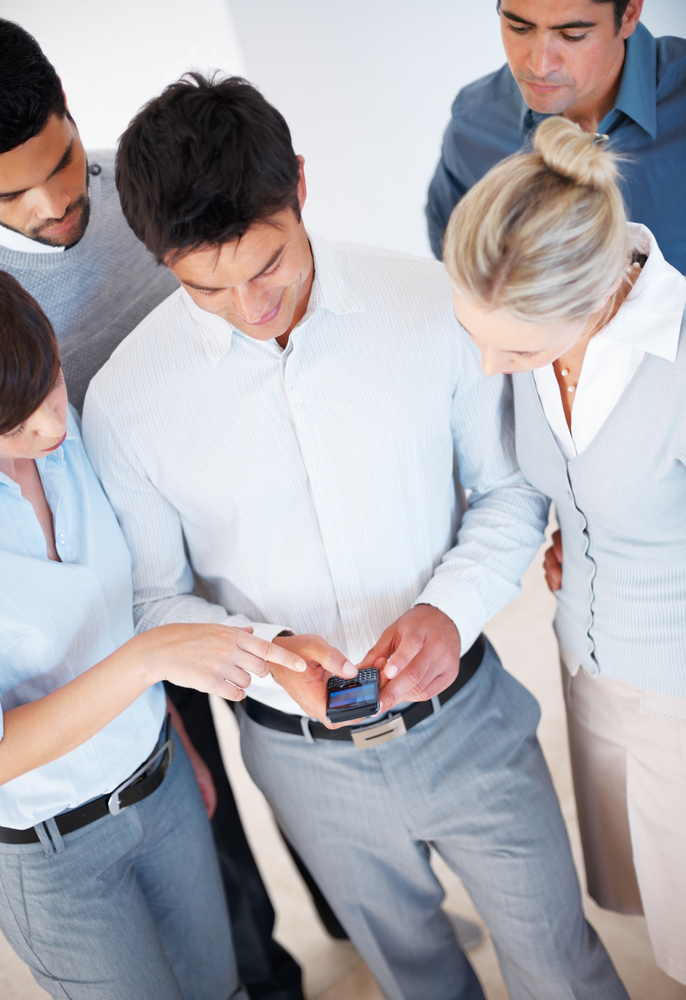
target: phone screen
<point>362,694</point>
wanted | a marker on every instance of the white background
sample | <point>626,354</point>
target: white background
<point>366,85</point>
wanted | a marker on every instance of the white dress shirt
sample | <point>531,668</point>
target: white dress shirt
<point>649,320</point>
<point>17,241</point>
<point>57,619</point>
<point>313,488</point>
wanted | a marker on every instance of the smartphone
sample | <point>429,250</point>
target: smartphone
<point>353,699</point>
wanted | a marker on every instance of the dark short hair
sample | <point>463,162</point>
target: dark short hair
<point>202,162</point>
<point>30,89</point>
<point>619,5</point>
<point>29,355</point>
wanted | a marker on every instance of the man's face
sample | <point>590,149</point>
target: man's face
<point>259,284</point>
<point>43,186</point>
<point>566,54</point>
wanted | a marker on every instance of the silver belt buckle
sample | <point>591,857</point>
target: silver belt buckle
<point>372,736</point>
<point>113,803</point>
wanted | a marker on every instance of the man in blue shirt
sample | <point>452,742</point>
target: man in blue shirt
<point>591,61</point>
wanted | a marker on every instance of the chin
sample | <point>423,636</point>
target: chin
<point>71,238</point>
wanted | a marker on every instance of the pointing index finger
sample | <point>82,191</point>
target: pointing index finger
<point>272,653</point>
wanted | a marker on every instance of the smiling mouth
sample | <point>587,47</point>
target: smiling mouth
<point>269,316</point>
<point>54,446</point>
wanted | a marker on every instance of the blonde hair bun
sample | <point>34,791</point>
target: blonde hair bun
<point>543,235</point>
<point>576,155</point>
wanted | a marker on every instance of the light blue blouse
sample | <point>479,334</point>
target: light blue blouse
<point>57,619</point>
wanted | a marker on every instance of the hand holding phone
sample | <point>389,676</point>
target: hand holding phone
<point>347,700</point>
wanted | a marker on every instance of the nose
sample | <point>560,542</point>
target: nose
<point>493,362</point>
<point>50,201</point>
<point>251,303</point>
<point>543,57</point>
<point>49,422</point>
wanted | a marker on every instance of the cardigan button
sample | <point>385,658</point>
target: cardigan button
<point>94,169</point>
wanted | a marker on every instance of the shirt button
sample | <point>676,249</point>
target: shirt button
<point>61,539</point>
<point>94,169</point>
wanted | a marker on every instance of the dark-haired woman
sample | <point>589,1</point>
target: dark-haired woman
<point>98,802</point>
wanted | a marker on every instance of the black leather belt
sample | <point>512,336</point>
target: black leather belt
<point>143,782</point>
<point>377,732</point>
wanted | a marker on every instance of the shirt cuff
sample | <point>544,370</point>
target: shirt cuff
<point>460,603</point>
<point>269,632</point>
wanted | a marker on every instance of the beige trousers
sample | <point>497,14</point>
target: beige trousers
<point>628,750</point>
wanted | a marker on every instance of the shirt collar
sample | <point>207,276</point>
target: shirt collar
<point>12,240</point>
<point>329,292</point>
<point>637,95</point>
<point>651,316</point>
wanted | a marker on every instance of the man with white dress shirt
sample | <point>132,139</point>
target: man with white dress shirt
<point>280,441</point>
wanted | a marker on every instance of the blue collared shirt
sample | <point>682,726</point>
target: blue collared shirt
<point>648,123</point>
<point>57,619</point>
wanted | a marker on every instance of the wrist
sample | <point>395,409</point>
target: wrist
<point>142,654</point>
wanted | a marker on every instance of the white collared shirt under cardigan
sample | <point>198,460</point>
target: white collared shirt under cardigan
<point>619,485</point>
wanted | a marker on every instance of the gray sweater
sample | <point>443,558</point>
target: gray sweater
<point>621,505</point>
<point>96,292</point>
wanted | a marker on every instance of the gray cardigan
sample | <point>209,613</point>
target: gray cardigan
<point>96,292</point>
<point>621,505</point>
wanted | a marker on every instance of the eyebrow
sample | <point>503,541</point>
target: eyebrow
<point>206,288</point>
<point>60,166</point>
<point>554,27</point>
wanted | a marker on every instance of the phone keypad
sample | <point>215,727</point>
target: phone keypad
<point>367,676</point>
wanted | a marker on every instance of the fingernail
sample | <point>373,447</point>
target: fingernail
<point>391,671</point>
<point>348,670</point>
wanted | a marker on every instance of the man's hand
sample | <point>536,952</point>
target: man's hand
<point>552,562</point>
<point>309,688</point>
<point>418,656</point>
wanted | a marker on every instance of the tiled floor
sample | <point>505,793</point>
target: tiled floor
<point>333,971</point>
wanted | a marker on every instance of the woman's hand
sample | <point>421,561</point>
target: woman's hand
<point>552,562</point>
<point>217,659</point>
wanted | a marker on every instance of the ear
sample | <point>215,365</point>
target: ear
<point>631,18</point>
<point>302,183</point>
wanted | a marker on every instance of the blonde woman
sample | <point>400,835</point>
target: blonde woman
<point>556,288</point>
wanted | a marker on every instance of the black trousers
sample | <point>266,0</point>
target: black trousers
<point>265,968</point>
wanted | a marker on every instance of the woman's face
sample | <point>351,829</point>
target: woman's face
<point>43,431</point>
<point>510,346</point>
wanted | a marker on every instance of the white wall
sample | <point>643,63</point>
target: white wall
<point>112,57</point>
<point>366,85</point>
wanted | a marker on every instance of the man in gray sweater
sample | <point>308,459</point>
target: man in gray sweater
<point>62,233</point>
<point>64,238</point>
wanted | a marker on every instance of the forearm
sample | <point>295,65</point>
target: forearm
<point>499,537</point>
<point>193,609</point>
<point>50,727</point>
